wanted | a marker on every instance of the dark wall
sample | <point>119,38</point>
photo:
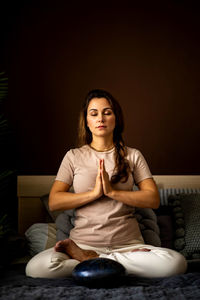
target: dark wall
<point>147,56</point>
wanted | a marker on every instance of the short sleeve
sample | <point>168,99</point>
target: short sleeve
<point>66,170</point>
<point>141,169</point>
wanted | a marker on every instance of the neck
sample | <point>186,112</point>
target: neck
<point>102,144</point>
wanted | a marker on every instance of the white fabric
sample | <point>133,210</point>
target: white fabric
<point>159,262</point>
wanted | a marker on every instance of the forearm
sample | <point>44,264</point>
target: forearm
<point>144,198</point>
<point>68,200</point>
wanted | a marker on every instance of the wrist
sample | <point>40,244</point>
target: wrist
<point>94,195</point>
<point>111,194</point>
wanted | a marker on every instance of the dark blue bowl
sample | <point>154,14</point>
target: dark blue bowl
<point>98,272</point>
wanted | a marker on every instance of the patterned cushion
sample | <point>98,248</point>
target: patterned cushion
<point>165,193</point>
<point>186,216</point>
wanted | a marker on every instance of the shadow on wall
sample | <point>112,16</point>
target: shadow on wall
<point>147,57</point>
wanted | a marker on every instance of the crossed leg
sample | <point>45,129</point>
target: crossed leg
<point>146,260</point>
<point>70,248</point>
<point>74,251</point>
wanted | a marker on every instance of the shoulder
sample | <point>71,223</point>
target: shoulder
<point>133,152</point>
<point>135,156</point>
<point>77,151</point>
<point>73,155</point>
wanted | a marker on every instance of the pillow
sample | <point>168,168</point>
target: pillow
<point>165,193</point>
<point>40,236</point>
<point>147,221</point>
<point>166,230</point>
<point>186,212</point>
<point>64,223</point>
<point>52,214</point>
<point>164,215</point>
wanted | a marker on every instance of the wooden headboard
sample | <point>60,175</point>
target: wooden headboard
<point>31,188</point>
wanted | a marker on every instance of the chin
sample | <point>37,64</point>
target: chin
<point>103,134</point>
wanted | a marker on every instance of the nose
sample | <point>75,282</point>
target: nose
<point>101,118</point>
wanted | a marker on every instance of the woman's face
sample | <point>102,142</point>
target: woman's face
<point>100,117</point>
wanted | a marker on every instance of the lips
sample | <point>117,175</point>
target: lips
<point>101,127</point>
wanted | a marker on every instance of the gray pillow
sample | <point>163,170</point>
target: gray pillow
<point>64,223</point>
<point>52,214</point>
<point>186,216</point>
<point>147,221</point>
<point>165,193</point>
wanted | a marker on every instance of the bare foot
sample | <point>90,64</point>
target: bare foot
<point>69,247</point>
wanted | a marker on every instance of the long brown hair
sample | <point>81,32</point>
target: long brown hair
<point>122,168</point>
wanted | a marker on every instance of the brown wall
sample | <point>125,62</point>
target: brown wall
<point>147,57</point>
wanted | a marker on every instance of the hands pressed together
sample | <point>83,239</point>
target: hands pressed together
<point>103,185</point>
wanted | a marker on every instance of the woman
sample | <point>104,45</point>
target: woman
<point>103,171</point>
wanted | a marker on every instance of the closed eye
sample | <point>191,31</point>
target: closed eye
<point>106,111</point>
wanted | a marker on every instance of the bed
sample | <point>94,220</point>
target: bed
<point>177,218</point>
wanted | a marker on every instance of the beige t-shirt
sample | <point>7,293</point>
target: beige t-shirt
<point>103,222</point>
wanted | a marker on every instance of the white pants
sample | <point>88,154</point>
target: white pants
<point>159,262</point>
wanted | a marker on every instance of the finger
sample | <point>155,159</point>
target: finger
<point>103,166</point>
<point>100,167</point>
<point>100,164</point>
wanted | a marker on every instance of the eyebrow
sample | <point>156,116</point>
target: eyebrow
<point>103,109</point>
